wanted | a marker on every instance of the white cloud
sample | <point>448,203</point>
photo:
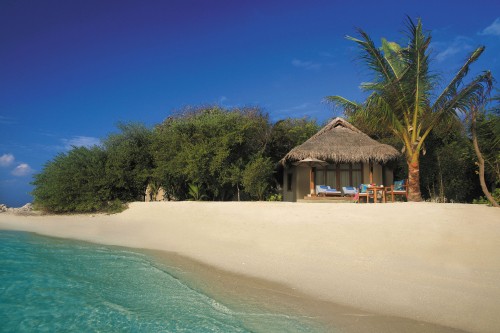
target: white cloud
<point>6,160</point>
<point>305,64</point>
<point>448,50</point>
<point>6,120</point>
<point>22,169</point>
<point>492,29</point>
<point>300,110</point>
<point>81,141</point>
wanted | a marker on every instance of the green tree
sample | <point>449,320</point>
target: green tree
<point>130,162</point>
<point>287,134</point>
<point>401,93</point>
<point>257,176</point>
<point>476,111</point>
<point>447,169</point>
<point>488,134</point>
<point>74,182</point>
<point>209,147</point>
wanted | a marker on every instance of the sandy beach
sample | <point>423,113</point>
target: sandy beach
<point>436,263</point>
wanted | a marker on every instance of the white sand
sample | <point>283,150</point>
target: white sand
<point>438,263</point>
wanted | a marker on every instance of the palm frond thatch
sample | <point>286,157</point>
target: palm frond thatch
<point>341,142</point>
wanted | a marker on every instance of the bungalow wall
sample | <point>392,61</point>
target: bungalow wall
<point>296,178</point>
<point>295,183</point>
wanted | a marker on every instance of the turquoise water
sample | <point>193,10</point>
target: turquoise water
<point>54,285</point>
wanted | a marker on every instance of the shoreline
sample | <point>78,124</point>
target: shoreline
<point>435,263</point>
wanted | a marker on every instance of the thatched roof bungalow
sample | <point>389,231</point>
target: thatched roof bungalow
<point>338,155</point>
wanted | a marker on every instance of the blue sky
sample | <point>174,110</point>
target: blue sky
<point>71,70</point>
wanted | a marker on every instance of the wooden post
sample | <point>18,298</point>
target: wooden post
<point>371,172</point>
<point>311,181</point>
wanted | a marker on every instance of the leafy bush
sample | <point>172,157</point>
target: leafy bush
<point>275,197</point>
<point>209,147</point>
<point>129,161</point>
<point>256,177</point>
<point>195,193</point>
<point>485,201</point>
<point>74,182</point>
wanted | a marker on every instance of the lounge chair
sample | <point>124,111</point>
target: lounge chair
<point>349,191</point>
<point>400,187</point>
<point>325,190</point>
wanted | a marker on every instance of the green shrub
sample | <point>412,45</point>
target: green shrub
<point>257,176</point>
<point>275,197</point>
<point>485,201</point>
<point>73,182</point>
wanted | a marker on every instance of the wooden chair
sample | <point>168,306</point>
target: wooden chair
<point>364,193</point>
<point>400,187</point>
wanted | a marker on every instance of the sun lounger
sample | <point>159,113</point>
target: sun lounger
<point>325,190</point>
<point>349,191</point>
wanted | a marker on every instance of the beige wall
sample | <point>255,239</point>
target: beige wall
<point>302,182</point>
<point>378,170</point>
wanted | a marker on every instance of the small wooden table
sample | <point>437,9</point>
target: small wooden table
<point>376,189</point>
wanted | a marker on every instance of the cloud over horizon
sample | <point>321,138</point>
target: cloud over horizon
<point>306,64</point>
<point>493,29</point>
<point>81,141</point>
<point>22,170</point>
<point>6,160</point>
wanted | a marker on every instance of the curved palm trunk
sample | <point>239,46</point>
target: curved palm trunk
<point>414,179</point>
<point>480,162</point>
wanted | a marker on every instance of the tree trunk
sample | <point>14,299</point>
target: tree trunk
<point>414,180</point>
<point>480,161</point>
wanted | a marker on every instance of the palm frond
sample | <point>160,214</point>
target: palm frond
<point>392,53</point>
<point>373,57</point>
<point>348,105</point>
<point>452,87</point>
<point>472,95</point>
<point>418,79</point>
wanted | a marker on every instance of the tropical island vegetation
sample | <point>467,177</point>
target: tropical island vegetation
<point>450,140</point>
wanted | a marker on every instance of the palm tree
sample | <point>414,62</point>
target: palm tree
<point>401,93</point>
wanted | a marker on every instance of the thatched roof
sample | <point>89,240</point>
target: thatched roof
<point>340,142</point>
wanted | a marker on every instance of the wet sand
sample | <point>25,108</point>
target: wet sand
<point>238,291</point>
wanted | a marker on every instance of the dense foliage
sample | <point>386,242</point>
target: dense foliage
<point>129,161</point>
<point>205,153</point>
<point>208,147</point>
<point>74,182</point>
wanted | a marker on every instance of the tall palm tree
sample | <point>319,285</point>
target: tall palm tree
<point>402,90</point>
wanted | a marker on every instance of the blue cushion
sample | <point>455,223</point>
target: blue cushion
<point>399,185</point>
<point>323,186</point>
<point>363,188</point>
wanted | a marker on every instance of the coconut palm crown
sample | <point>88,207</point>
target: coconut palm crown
<point>402,93</point>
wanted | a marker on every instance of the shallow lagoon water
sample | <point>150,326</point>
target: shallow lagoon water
<point>53,285</point>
